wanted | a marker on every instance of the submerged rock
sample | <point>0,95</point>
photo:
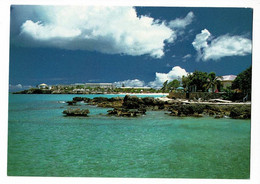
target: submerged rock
<point>76,112</point>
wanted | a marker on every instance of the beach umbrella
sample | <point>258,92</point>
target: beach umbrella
<point>180,88</point>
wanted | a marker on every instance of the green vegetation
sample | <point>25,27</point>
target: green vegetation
<point>241,87</point>
<point>243,82</point>
<point>212,82</point>
<point>197,81</point>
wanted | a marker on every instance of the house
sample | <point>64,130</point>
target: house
<point>227,80</point>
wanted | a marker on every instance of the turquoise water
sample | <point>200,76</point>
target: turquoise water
<point>42,142</point>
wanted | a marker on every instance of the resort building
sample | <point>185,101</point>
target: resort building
<point>100,85</point>
<point>227,80</point>
<point>42,86</point>
<point>86,85</point>
<point>135,87</point>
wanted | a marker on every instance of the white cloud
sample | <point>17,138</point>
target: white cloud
<point>130,83</point>
<point>221,46</point>
<point>186,56</point>
<point>201,39</point>
<point>112,30</point>
<point>227,46</point>
<point>181,23</point>
<point>175,73</point>
<point>18,87</point>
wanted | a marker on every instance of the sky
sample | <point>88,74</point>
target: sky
<point>137,46</point>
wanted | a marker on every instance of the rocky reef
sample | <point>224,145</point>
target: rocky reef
<point>217,111</point>
<point>127,112</point>
<point>133,106</point>
<point>76,112</point>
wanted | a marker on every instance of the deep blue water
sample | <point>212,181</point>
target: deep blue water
<point>43,142</point>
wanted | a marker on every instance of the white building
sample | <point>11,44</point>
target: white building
<point>227,80</point>
<point>100,85</point>
<point>42,86</point>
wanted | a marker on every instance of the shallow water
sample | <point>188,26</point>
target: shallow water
<point>43,142</point>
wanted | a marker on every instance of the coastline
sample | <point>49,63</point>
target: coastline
<point>133,106</point>
<point>152,94</point>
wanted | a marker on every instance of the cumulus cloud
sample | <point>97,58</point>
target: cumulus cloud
<point>221,46</point>
<point>130,83</point>
<point>111,30</point>
<point>181,23</point>
<point>200,41</point>
<point>175,73</point>
<point>18,87</point>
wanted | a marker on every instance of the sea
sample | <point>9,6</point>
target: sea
<point>44,142</point>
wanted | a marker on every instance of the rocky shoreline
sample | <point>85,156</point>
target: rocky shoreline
<point>133,106</point>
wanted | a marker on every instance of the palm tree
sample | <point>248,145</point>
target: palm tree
<point>212,82</point>
<point>164,88</point>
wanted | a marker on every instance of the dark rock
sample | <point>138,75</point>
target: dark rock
<point>132,102</point>
<point>240,112</point>
<point>148,101</point>
<point>79,99</point>
<point>100,99</point>
<point>115,99</point>
<point>71,102</point>
<point>186,109</point>
<point>126,112</point>
<point>76,112</point>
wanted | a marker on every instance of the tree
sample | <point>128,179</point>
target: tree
<point>173,84</point>
<point>198,79</point>
<point>185,82</point>
<point>243,81</point>
<point>164,88</point>
<point>212,82</point>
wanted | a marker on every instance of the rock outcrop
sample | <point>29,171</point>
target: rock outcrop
<point>80,99</point>
<point>133,106</point>
<point>71,102</point>
<point>127,112</point>
<point>217,111</point>
<point>76,112</point>
<point>240,112</point>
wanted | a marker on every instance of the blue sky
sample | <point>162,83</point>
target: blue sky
<point>137,46</point>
